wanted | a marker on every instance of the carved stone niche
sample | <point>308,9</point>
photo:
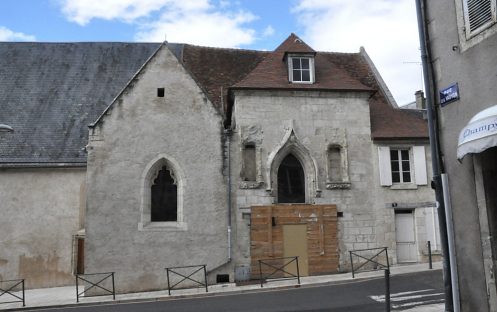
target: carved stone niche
<point>251,170</point>
<point>337,167</point>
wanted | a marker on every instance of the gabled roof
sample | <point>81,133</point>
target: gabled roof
<point>272,72</point>
<point>293,44</point>
<point>51,92</point>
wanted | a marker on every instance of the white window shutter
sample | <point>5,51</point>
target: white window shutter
<point>420,165</point>
<point>384,165</point>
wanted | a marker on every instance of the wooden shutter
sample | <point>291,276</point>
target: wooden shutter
<point>420,165</point>
<point>478,14</point>
<point>385,167</point>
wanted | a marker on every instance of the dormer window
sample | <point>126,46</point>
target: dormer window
<point>301,68</point>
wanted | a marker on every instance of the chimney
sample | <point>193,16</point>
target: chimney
<point>420,100</point>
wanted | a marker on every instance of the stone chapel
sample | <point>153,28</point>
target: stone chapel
<point>133,157</point>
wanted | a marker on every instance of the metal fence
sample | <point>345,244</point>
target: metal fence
<point>187,274</point>
<point>279,269</point>
<point>9,290</point>
<point>96,285</point>
<point>370,259</point>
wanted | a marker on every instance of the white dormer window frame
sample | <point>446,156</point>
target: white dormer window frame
<point>301,68</point>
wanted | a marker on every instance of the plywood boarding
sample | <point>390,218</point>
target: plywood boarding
<point>266,234</point>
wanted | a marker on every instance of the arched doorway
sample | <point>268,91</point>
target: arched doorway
<point>291,181</point>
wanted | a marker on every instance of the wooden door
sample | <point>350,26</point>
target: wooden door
<point>295,244</point>
<point>405,236</point>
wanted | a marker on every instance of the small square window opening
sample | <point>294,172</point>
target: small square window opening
<point>160,92</point>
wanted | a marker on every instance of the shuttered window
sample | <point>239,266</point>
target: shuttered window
<point>478,15</point>
<point>402,165</point>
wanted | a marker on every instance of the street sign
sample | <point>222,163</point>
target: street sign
<point>449,94</point>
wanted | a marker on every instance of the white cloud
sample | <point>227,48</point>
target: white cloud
<point>83,11</point>
<point>386,28</point>
<point>190,21</point>
<point>268,31</point>
<point>9,35</point>
<point>201,28</point>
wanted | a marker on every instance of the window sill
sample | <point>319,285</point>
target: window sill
<point>249,184</point>
<point>302,82</point>
<point>404,186</point>
<point>162,226</point>
<point>337,185</point>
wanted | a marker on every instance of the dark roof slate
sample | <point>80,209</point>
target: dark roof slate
<point>216,69</point>
<point>51,92</point>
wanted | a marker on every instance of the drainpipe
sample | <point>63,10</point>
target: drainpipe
<point>435,158</point>
<point>227,134</point>
<point>228,142</point>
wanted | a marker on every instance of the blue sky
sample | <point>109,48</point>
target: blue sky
<point>386,28</point>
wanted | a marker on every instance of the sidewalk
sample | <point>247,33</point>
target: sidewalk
<point>66,296</point>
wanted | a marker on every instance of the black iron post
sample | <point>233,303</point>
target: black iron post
<point>77,289</point>
<point>352,264</point>
<point>298,272</point>
<point>205,278</point>
<point>387,290</point>
<point>260,273</point>
<point>113,287</point>
<point>429,255</point>
<point>168,283</point>
<point>23,295</point>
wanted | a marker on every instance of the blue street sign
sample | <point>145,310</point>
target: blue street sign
<point>449,94</point>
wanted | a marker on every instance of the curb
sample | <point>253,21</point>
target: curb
<point>203,295</point>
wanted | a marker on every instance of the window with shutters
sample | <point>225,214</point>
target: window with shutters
<point>402,166</point>
<point>478,15</point>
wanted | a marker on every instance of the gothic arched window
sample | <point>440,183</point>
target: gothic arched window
<point>164,201</point>
<point>291,181</point>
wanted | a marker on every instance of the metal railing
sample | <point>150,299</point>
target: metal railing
<point>369,262</point>
<point>279,269</point>
<point>10,291</point>
<point>95,285</point>
<point>371,258</point>
<point>185,277</point>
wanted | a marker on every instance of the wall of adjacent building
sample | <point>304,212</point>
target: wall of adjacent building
<point>472,65</point>
<point>41,211</point>
<point>182,127</point>
<point>416,196</point>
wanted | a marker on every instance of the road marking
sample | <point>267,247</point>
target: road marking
<point>405,299</point>
<point>381,298</point>
<point>416,303</point>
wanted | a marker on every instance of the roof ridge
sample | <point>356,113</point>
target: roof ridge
<point>220,48</point>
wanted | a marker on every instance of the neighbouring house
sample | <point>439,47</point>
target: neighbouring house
<point>461,37</point>
<point>200,155</point>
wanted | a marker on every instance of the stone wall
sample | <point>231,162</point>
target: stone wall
<point>41,211</point>
<point>184,131</point>
<point>317,120</point>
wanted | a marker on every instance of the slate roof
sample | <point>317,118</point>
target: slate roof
<point>51,92</point>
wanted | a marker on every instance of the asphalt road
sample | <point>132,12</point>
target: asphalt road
<point>407,291</point>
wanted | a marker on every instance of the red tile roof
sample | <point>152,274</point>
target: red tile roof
<point>293,44</point>
<point>217,70</point>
